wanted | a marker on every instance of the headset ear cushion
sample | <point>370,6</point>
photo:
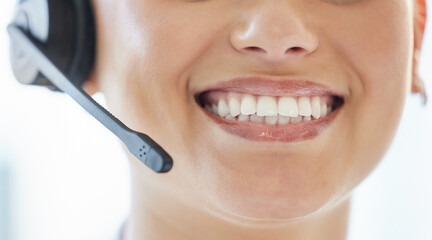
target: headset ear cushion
<point>83,57</point>
<point>32,17</point>
<point>65,31</point>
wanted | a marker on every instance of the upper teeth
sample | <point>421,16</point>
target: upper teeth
<point>234,107</point>
<point>248,105</point>
<point>267,106</point>
<point>304,106</point>
<point>287,106</point>
<point>269,109</point>
<point>223,109</point>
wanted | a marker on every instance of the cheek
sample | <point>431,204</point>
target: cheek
<point>158,56</point>
<point>148,87</point>
<point>163,40</point>
<point>378,51</point>
<point>147,58</point>
<point>377,48</point>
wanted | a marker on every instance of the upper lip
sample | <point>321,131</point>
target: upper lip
<point>274,87</point>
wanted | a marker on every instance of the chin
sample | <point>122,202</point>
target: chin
<point>283,197</point>
<point>268,211</point>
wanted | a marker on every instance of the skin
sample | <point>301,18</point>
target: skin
<point>154,55</point>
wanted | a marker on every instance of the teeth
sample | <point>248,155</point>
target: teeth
<point>297,119</point>
<point>287,106</point>
<point>256,118</point>
<point>304,106</point>
<point>307,119</point>
<point>267,106</point>
<point>243,118</point>
<point>223,109</point>
<point>271,120</point>
<point>229,117</point>
<point>316,107</point>
<point>323,110</point>
<point>248,105</point>
<point>270,110</point>
<point>234,107</point>
<point>208,108</point>
<point>214,109</point>
<point>329,110</point>
<point>282,120</point>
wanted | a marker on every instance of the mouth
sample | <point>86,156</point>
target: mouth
<point>268,110</point>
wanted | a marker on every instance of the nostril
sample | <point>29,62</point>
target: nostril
<point>294,50</point>
<point>255,49</point>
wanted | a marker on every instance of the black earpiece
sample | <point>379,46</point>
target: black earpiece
<point>65,31</point>
<point>53,45</point>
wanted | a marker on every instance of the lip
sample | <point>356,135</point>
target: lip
<point>271,87</point>
<point>283,133</point>
<point>269,133</point>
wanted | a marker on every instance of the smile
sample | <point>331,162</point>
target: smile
<point>266,110</point>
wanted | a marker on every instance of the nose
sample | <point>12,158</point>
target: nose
<point>273,32</point>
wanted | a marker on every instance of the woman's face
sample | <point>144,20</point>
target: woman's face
<point>159,60</point>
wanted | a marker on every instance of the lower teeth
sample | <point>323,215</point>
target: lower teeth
<point>270,120</point>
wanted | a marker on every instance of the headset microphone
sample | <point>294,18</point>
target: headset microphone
<point>40,57</point>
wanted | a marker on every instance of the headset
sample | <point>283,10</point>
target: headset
<point>53,44</point>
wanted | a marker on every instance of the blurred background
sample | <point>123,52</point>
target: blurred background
<point>64,176</point>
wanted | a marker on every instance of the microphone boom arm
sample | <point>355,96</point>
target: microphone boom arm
<point>139,144</point>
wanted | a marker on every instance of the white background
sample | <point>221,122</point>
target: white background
<point>68,177</point>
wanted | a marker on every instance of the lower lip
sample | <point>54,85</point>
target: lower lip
<point>269,133</point>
